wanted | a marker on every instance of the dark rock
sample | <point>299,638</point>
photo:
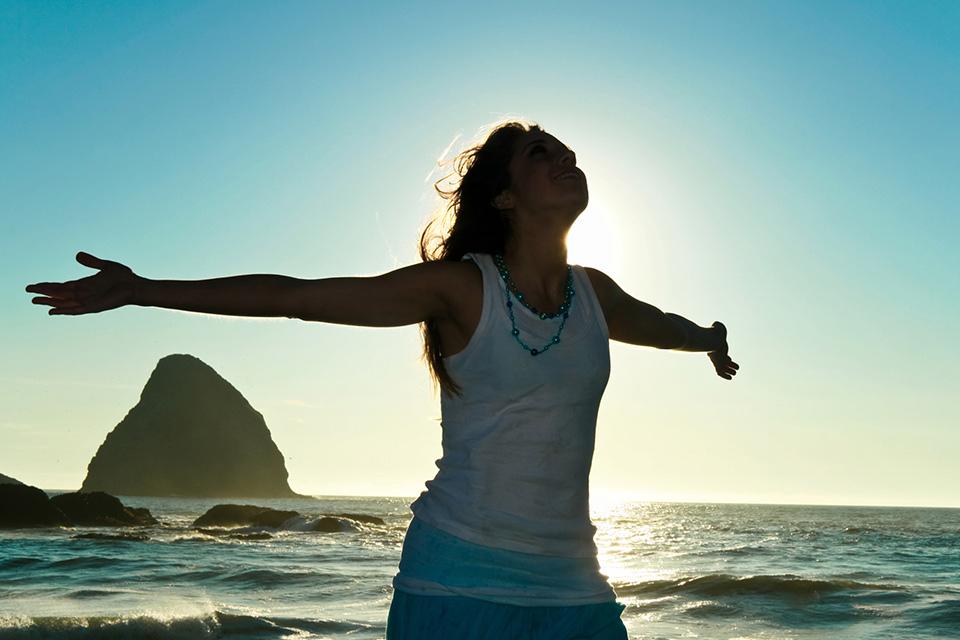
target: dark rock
<point>98,509</point>
<point>8,480</point>
<point>360,518</point>
<point>192,434</point>
<point>25,506</point>
<point>326,524</point>
<point>143,513</point>
<point>243,515</point>
<point>322,524</point>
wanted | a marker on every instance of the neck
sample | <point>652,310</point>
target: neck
<point>538,268</point>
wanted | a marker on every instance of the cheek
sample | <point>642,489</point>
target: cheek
<point>539,180</point>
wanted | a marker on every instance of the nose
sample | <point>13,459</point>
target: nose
<point>567,157</point>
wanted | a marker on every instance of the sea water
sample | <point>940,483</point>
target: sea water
<point>684,570</point>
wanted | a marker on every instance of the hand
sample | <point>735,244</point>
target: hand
<point>726,368</point>
<point>112,287</point>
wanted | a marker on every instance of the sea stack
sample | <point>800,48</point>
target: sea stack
<point>8,480</point>
<point>192,434</point>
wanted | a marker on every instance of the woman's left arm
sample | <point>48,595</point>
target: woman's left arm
<point>635,322</point>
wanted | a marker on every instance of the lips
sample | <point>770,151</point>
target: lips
<point>568,173</point>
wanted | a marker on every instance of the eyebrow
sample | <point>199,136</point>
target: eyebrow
<point>542,140</point>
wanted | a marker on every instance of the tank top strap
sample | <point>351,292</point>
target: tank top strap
<point>588,298</point>
<point>490,277</point>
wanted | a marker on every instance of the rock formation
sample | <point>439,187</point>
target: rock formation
<point>192,434</point>
<point>8,480</point>
<point>23,506</point>
<point>98,509</point>
<point>225,515</point>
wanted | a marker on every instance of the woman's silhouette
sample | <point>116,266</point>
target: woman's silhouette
<point>501,542</point>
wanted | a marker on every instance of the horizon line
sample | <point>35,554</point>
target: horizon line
<point>622,501</point>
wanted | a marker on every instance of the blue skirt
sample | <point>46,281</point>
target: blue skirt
<point>451,589</point>
<point>417,617</point>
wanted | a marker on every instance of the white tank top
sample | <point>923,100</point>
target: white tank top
<point>518,443</point>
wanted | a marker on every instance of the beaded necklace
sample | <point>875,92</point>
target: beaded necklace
<point>563,311</point>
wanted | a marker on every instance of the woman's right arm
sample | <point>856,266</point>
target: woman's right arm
<point>408,295</point>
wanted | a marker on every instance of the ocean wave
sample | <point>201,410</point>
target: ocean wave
<point>198,575</point>
<point>215,624</point>
<point>942,614</point>
<point>725,585</point>
<point>86,562</point>
<point>709,609</point>
<point>268,577</point>
<point>224,539</point>
<point>739,550</point>
<point>95,535</point>
<point>20,561</point>
<point>84,594</point>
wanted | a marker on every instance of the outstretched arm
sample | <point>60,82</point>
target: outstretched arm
<point>405,296</point>
<point>634,322</point>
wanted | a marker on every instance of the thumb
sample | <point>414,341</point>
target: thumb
<point>90,261</point>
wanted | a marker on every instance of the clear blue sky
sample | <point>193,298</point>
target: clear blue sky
<point>787,168</point>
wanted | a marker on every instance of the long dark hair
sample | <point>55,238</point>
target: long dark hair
<point>469,222</point>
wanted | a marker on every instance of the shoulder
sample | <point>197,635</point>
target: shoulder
<point>458,282</point>
<point>608,292</point>
<point>444,269</point>
<point>452,271</point>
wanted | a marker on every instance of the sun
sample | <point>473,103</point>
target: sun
<point>594,240</point>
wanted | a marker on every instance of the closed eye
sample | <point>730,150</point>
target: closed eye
<point>537,148</point>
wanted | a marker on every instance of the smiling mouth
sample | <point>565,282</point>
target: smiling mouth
<point>569,174</point>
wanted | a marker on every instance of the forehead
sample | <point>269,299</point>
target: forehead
<point>533,136</point>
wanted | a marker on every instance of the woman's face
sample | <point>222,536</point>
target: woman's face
<point>545,178</point>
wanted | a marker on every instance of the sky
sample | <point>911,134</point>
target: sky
<point>786,168</point>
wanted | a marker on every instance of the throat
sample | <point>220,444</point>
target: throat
<point>546,299</point>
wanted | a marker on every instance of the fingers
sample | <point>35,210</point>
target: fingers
<point>57,302</point>
<point>88,260</point>
<point>726,368</point>
<point>52,289</point>
<point>62,307</point>
<point>726,372</point>
<point>61,290</point>
<point>69,311</point>
<point>67,307</point>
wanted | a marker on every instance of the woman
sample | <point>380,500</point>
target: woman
<point>501,543</point>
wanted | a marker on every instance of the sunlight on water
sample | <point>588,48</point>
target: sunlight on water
<point>683,570</point>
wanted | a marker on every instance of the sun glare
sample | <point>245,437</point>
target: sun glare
<point>594,240</point>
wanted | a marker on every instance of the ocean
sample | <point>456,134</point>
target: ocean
<point>684,570</point>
